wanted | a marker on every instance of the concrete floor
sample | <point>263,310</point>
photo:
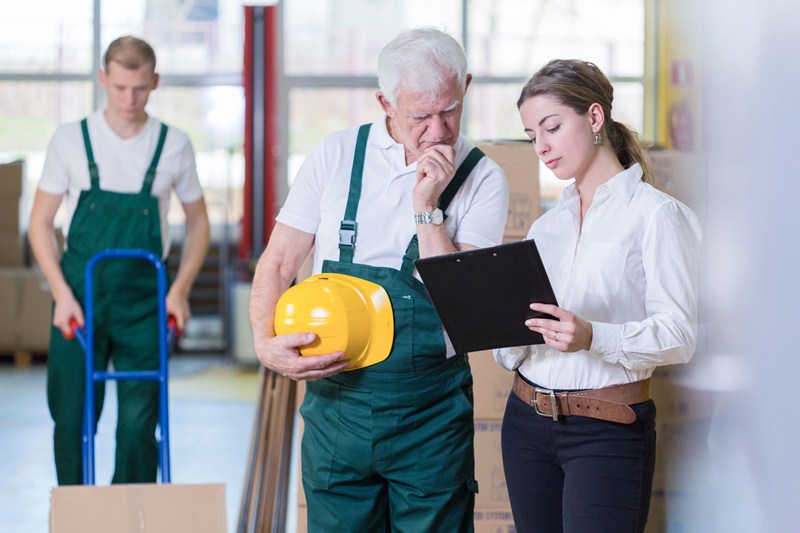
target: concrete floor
<point>212,404</point>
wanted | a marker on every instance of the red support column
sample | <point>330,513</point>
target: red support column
<point>260,79</point>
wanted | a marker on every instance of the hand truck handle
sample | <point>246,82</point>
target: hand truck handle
<point>73,328</point>
<point>172,324</point>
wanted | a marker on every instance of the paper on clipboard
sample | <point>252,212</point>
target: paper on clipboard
<point>483,296</point>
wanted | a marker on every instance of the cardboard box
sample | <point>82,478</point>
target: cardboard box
<point>35,311</point>
<point>142,508</point>
<point>302,519</point>
<point>10,296</point>
<point>493,520</point>
<point>9,216</point>
<point>491,385</point>
<point>11,176</point>
<point>521,165</point>
<point>26,311</point>
<point>677,402</point>
<point>682,175</point>
<point>489,465</point>
<point>11,251</point>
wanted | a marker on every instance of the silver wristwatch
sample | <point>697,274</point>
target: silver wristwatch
<point>435,217</point>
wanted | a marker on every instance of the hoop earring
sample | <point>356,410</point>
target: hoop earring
<point>597,138</point>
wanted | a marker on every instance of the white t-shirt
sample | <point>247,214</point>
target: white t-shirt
<point>385,218</point>
<point>631,271</point>
<point>122,164</point>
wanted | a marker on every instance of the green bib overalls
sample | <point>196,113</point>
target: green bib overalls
<point>390,447</point>
<point>125,315</point>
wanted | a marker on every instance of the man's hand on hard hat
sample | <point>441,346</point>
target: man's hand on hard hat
<point>281,354</point>
<point>435,168</point>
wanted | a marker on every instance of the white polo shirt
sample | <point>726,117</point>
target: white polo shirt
<point>318,197</point>
<point>122,164</point>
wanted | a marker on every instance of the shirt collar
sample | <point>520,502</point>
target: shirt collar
<point>380,135</point>
<point>623,185</point>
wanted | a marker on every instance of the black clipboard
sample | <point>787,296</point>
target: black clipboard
<point>483,296</point>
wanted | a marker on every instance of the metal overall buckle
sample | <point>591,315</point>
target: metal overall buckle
<point>553,402</point>
<point>347,233</point>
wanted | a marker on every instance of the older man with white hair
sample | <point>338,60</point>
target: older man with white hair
<point>387,447</point>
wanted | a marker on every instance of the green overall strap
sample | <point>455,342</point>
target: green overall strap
<point>463,172</point>
<point>347,228</point>
<point>94,175</point>
<point>151,170</point>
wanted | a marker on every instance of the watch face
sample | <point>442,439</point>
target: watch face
<point>435,217</point>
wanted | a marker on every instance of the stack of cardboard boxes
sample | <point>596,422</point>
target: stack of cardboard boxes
<point>25,313</point>
<point>684,394</point>
<point>492,383</point>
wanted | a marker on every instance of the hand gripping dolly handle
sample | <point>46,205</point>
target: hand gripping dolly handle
<point>75,331</point>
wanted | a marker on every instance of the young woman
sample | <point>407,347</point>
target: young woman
<point>579,427</point>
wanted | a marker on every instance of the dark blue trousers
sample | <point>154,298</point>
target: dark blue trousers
<point>578,474</point>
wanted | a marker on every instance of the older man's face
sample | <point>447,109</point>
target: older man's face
<point>419,122</point>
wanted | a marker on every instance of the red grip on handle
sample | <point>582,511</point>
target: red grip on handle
<point>73,327</point>
<point>172,323</point>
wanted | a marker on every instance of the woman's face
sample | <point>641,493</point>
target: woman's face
<point>562,137</point>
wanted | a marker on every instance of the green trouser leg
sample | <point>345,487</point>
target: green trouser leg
<point>65,394</point>
<point>132,325</point>
<point>371,458</point>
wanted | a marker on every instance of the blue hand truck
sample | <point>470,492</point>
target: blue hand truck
<point>85,335</point>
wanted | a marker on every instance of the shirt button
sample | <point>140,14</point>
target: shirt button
<point>550,353</point>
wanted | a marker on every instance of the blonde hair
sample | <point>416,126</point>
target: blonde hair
<point>130,52</point>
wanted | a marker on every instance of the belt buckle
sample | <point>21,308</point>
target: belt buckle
<point>553,402</point>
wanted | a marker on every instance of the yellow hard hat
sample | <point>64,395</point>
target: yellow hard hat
<point>348,314</point>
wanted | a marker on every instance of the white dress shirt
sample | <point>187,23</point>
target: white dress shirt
<point>631,271</point>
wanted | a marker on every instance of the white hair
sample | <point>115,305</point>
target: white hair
<point>423,60</point>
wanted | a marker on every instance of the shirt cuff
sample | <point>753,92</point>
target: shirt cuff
<point>607,341</point>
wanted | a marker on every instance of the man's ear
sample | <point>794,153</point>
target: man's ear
<point>469,80</point>
<point>385,104</point>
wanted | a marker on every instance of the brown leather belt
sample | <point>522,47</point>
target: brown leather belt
<point>609,403</point>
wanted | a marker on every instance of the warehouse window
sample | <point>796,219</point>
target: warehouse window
<point>50,53</point>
